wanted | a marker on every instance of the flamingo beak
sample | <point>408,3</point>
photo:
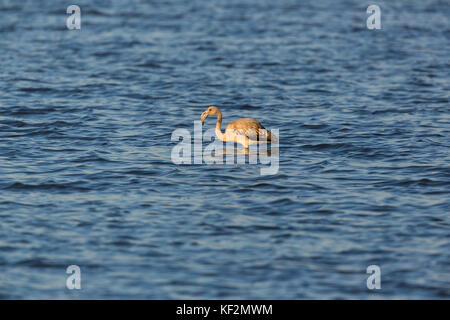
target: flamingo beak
<point>204,116</point>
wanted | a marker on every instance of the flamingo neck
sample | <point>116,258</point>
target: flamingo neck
<point>219,133</point>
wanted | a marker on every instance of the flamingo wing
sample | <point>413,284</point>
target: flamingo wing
<point>250,128</point>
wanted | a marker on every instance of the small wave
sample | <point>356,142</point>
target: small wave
<point>283,202</point>
<point>151,65</point>
<point>31,89</point>
<point>91,158</point>
<point>315,126</point>
<point>425,182</point>
<point>319,91</point>
<point>46,263</point>
<point>20,110</point>
<point>94,12</point>
<point>142,172</point>
<point>26,80</point>
<point>327,146</point>
<point>248,107</point>
<point>41,263</point>
<point>13,123</point>
<point>396,110</point>
<point>18,186</point>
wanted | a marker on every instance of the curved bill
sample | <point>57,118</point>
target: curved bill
<point>203,117</point>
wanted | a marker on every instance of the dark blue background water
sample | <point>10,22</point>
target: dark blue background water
<point>85,171</point>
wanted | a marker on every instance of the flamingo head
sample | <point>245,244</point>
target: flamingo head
<point>212,110</point>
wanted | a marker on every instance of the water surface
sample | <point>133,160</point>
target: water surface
<point>86,178</point>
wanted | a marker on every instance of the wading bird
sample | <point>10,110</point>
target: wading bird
<point>245,131</point>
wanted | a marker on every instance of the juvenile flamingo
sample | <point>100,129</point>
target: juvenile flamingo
<point>245,131</point>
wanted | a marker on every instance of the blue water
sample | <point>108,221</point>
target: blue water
<point>86,176</point>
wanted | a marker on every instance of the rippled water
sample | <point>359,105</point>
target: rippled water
<point>86,177</point>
